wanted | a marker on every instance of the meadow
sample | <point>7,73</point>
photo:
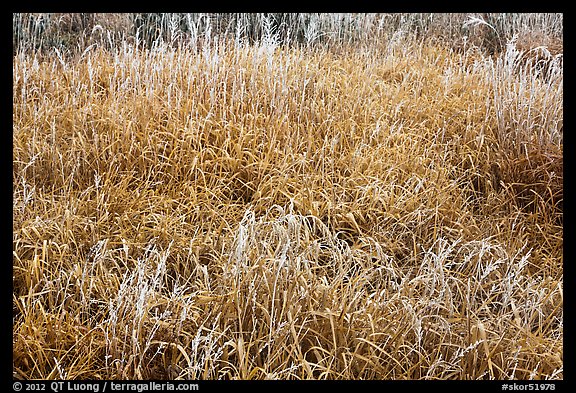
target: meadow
<point>364,196</point>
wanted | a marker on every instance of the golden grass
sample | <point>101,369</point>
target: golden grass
<point>252,212</point>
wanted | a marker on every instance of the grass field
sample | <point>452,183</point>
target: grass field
<point>379,202</point>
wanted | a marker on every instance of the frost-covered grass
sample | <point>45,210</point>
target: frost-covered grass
<point>389,209</point>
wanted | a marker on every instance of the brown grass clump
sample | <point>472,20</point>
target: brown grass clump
<point>235,211</point>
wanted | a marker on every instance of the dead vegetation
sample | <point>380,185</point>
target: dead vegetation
<point>255,211</point>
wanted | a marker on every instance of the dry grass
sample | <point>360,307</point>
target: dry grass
<point>235,211</point>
